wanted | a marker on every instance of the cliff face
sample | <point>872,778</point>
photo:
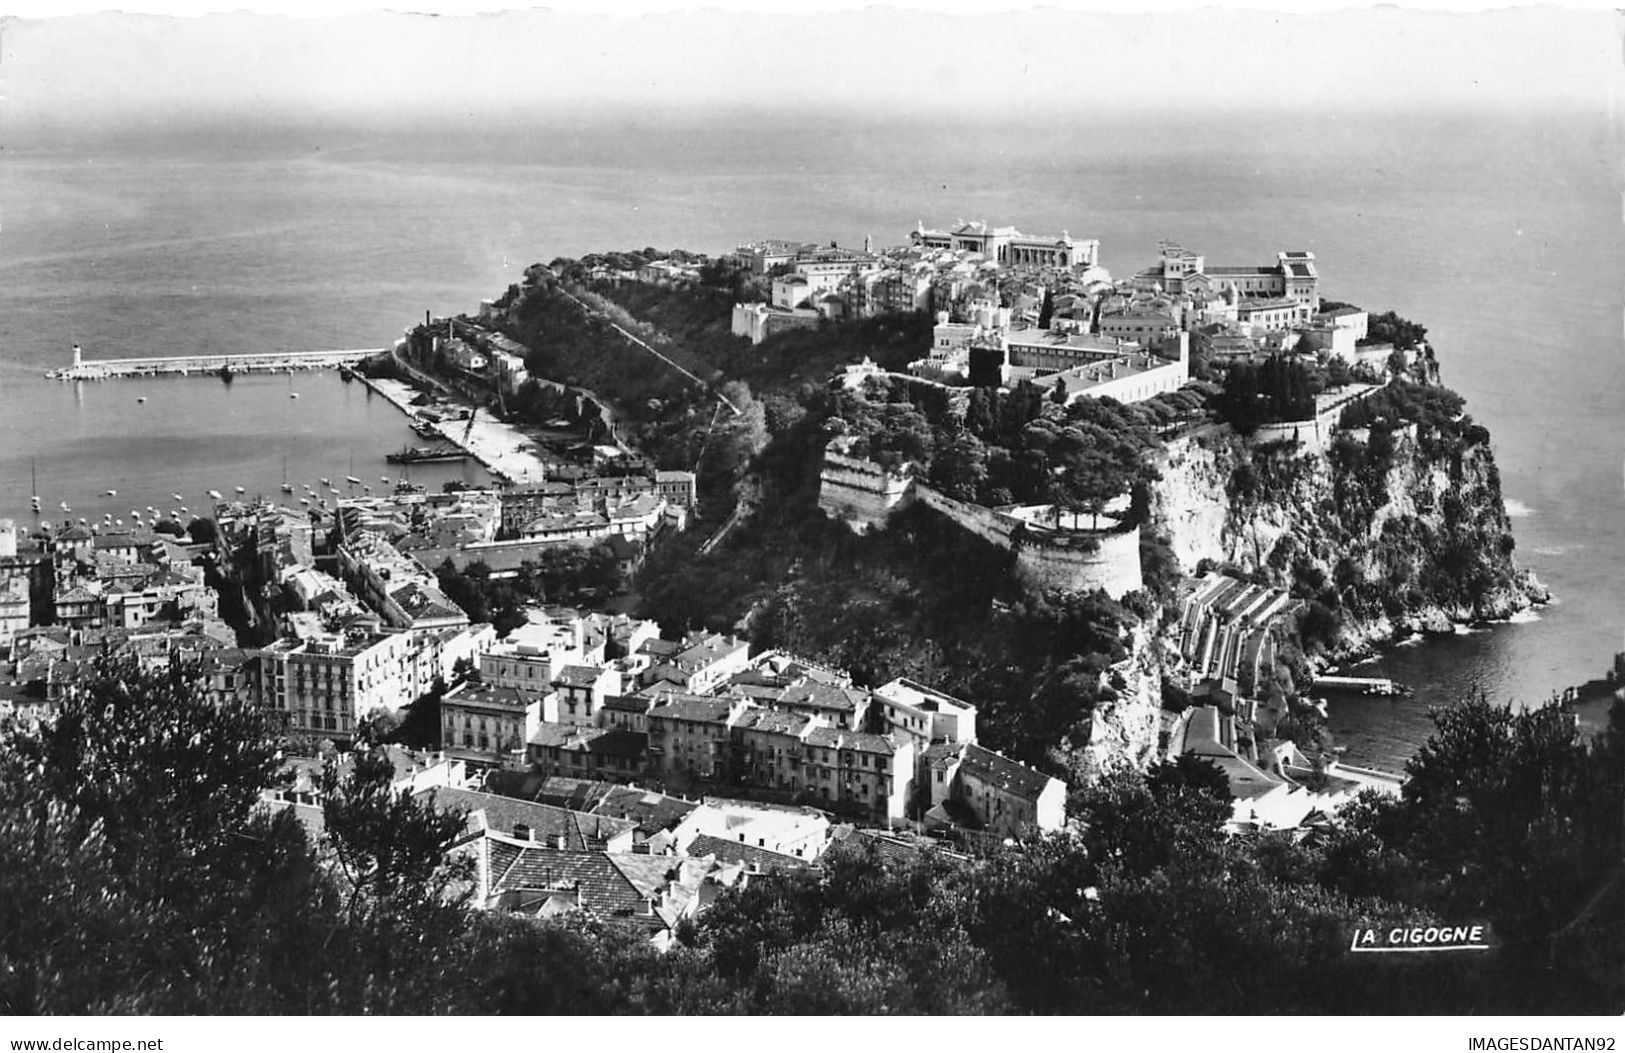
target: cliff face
<point>1392,533</point>
<point>1126,730</point>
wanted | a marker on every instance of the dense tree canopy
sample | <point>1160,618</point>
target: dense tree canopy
<point>1390,328</point>
<point>1278,389</point>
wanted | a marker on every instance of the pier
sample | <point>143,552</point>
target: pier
<point>185,365</point>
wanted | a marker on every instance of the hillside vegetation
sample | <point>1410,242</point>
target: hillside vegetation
<point>142,876</point>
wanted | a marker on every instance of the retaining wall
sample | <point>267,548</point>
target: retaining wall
<point>1075,561</point>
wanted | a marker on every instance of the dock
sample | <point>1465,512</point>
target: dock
<point>418,454</point>
<point>503,450</point>
<point>209,365</point>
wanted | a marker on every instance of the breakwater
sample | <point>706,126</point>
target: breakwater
<point>185,365</point>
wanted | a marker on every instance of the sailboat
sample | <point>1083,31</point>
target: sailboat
<point>33,476</point>
<point>287,487</point>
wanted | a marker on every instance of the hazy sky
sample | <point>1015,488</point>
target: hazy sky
<point>150,69</point>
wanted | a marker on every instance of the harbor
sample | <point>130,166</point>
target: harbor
<point>169,435</point>
<point>503,450</point>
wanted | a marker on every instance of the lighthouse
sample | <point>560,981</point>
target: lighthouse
<point>76,356</point>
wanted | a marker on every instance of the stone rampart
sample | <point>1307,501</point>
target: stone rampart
<point>1311,433</point>
<point>860,492</point>
<point>864,495</point>
<point>1072,560</point>
<point>1315,433</point>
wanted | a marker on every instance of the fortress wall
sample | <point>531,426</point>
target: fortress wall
<point>864,495</point>
<point>859,492</point>
<point>1113,564</point>
<point>1085,562</point>
<point>1312,433</point>
<point>979,520</point>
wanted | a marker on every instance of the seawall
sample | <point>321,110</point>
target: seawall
<point>183,365</point>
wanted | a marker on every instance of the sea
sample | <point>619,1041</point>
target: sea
<point>1498,231</point>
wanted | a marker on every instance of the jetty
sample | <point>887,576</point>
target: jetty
<point>416,454</point>
<point>210,365</point>
<point>1363,685</point>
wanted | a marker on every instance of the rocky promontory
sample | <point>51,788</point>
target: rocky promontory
<point>1397,527</point>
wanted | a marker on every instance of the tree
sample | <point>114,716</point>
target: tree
<point>1390,328</point>
<point>202,531</point>
<point>986,367</point>
<point>959,468</point>
<point>419,727</point>
<point>1278,389</point>
<point>195,893</point>
<point>1510,817</point>
<point>402,912</point>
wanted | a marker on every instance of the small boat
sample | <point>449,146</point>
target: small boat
<point>294,395</point>
<point>112,493</point>
<point>241,490</point>
<point>352,480</point>
<point>384,479</point>
<point>185,510</point>
<point>304,500</point>
<point>214,494</point>
<point>287,488</point>
<point>141,398</point>
<point>177,497</point>
<point>135,513</point>
<point>324,482</point>
<point>65,507</point>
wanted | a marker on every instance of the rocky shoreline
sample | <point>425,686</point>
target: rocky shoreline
<point>1373,638</point>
